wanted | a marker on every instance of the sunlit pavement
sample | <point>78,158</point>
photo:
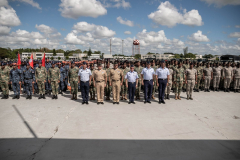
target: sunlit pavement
<point>204,128</point>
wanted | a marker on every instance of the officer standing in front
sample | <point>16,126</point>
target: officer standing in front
<point>85,76</point>
<point>147,76</point>
<point>131,83</point>
<point>162,74</point>
<point>29,78</point>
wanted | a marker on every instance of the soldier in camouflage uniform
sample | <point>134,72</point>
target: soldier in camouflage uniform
<point>178,77</point>
<point>92,89</point>
<point>54,78</point>
<point>124,88</point>
<point>138,69</point>
<point>155,83</point>
<point>73,78</point>
<point>199,76</point>
<point>41,76</point>
<point>108,88</point>
<point>174,66</point>
<point>63,77</point>
<point>236,78</point>
<point>4,80</point>
<point>28,80</point>
<point>16,80</point>
<point>185,66</point>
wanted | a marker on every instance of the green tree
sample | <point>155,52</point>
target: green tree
<point>190,55</point>
<point>89,53</point>
<point>150,53</point>
<point>85,51</point>
<point>51,58</point>
<point>137,56</point>
<point>208,56</point>
<point>78,51</point>
<point>59,58</point>
<point>54,52</point>
<point>176,56</point>
<point>67,57</point>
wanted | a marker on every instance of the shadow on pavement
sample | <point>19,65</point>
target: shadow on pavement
<point>51,149</point>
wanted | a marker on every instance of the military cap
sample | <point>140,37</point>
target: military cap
<point>99,64</point>
<point>148,62</point>
<point>84,63</point>
<point>132,65</point>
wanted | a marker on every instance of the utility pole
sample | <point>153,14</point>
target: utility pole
<point>122,47</point>
<point>110,46</point>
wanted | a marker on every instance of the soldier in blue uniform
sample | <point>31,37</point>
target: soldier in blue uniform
<point>23,68</point>
<point>47,84</point>
<point>66,66</point>
<point>131,83</point>
<point>35,84</point>
<point>63,76</point>
<point>28,80</point>
<point>15,80</point>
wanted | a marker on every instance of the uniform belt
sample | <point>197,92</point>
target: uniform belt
<point>84,81</point>
<point>28,78</point>
<point>99,81</point>
<point>162,79</point>
<point>132,82</point>
<point>147,80</point>
<point>115,80</point>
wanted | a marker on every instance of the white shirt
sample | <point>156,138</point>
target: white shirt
<point>162,73</point>
<point>148,73</point>
<point>84,74</point>
<point>131,76</point>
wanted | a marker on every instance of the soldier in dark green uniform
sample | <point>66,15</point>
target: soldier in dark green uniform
<point>108,88</point>
<point>178,77</point>
<point>73,78</point>
<point>138,69</point>
<point>124,88</point>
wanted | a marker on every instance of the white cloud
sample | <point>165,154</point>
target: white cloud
<point>123,4</point>
<point>4,30</point>
<point>72,38</point>
<point>239,39</point>
<point>78,8</point>
<point>127,32</point>
<point>4,3</point>
<point>32,3</point>
<point>149,38</point>
<point>237,26</point>
<point>125,22</point>
<point>8,17</point>
<point>44,28</point>
<point>235,35</point>
<point>103,32</point>
<point>168,15</point>
<point>84,27</point>
<point>40,41</point>
<point>26,34</point>
<point>198,37</point>
<point>221,3</point>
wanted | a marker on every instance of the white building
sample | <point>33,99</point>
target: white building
<point>94,56</point>
<point>39,55</point>
<point>198,56</point>
<point>157,56</point>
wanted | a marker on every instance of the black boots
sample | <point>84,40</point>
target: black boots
<point>40,96</point>
<point>43,96</point>
<point>168,97</point>
<point>54,97</point>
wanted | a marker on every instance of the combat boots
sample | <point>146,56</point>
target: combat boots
<point>176,98</point>
<point>7,96</point>
<point>214,89</point>
<point>30,97</point>
<point>168,97</point>
<point>235,90</point>
<point>43,96</point>
<point>225,90</point>
<point>40,96</point>
<point>191,97</point>
<point>187,97</point>
<point>73,97</point>
<point>14,97</point>
<point>4,97</point>
<point>27,97</point>
<point>53,97</point>
<point>179,97</point>
<point>18,96</point>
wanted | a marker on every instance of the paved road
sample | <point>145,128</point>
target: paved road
<point>205,128</point>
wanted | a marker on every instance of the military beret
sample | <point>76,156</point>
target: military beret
<point>99,64</point>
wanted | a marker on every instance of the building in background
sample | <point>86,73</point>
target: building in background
<point>157,56</point>
<point>39,55</point>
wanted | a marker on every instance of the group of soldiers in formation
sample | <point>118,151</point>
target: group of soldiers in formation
<point>119,78</point>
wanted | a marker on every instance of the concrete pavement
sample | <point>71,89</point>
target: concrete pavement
<point>205,127</point>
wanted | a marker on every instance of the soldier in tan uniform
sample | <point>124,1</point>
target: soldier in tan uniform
<point>227,76</point>
<point>116,80</point>
<point>216,77</point>
<point>100,81</point>
<point>169,86</point>
<point>207,76</point>
<point>190,80</point>
<point>124,88</point>
<point>236,75</point>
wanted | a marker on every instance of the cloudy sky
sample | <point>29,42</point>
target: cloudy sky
<point>205,26</point>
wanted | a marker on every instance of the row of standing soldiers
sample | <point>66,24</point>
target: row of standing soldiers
<point>54,77</point>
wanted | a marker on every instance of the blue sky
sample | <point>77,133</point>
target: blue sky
<point>205,26</point>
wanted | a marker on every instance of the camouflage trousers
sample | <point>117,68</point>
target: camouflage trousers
<point>168,88</point>
<point>74,87</point>
<point>4,87</point>
<point>28,87</point>
<point>108,89</point>
<point>16,88</point>
<point>92,90</point>
<point>138,89</point>
<point>154,88</point>
<point>178,87</point>
<point>199,77</point>
<point>41,87</point>
<point>55,86</point>
<point>124,89</point>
